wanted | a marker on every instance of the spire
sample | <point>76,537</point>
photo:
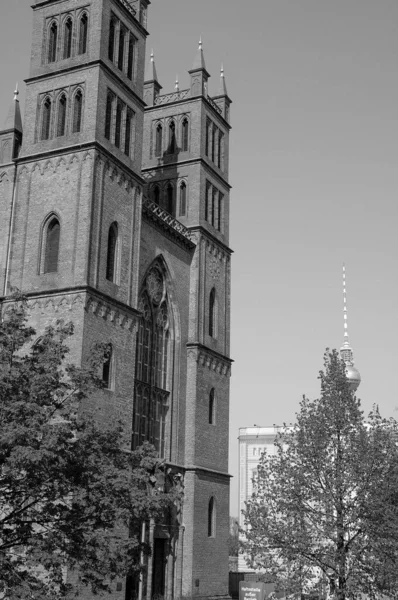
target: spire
<point>13,120</point>
<point>199,62</point>
<point>346,352</point>
<point>222,91</point>
<point>150,71</point>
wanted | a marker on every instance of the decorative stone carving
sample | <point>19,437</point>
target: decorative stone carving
<point>155,285</point>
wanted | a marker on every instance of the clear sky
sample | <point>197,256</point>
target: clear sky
<point>314,151</point>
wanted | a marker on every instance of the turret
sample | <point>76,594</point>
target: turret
<point>199,74</point>
<point>346,353</point>
<point>222,99</point>
<point>152,86</point>
<point>11,134</point>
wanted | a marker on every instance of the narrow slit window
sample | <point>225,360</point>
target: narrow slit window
<point>68,38</point>
<point>46,119</point>
<point>158,143</point>
<point>213,143</point>
<point>111,259</point>
<point>111,43</point>
<point>172,137</point>
<point>130,58</point>
<point>211,407</point>
<point>211,518</point>
<point>108,116</point>
<point>127,139</point>
<point>212,313</point>
<point>220,211</point>
<point>220,149</point>
<point>52,43</point>
<point>61,116</point>
<point>107,368</point>
<point>184,135</point>
<point>52,246</point>
<point>83,33</point>
<point>77,112</point>
<point>183,199</point>
<point>118,124</point>
<point>122,37</point>
<point>156,194</point>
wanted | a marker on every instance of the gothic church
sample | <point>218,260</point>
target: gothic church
<point>114,214</point>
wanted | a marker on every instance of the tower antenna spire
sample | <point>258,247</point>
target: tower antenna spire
<point>346,352</point>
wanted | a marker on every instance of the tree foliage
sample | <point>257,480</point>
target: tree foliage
<point>324,510</point>
<point>233,540</point>
<point>72,498</point>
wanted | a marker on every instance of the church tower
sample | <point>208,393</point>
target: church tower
<point>114,214</point>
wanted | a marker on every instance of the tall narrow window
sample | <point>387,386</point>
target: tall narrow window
<point>156,194</point>
<point>214,208</point>
<point>158,141</point>
<point>122,37</point>
<point>211,518</point>
<point>61,118</point>
<point>83,32</point>
<point>107,368</point>
<point>130,58</point>
<point>213,143</point>
<point>211,407</point>
<point>183,199</point>
<point>172,137</point>
<point>51,246</point>
<point>207,141</point>
<point>220,149</point>
<point>68,38</point>
<point>118,124</point>
<point>169,198</point>
<point>207,202</point>
<point>184,135</point>
<point>212,313</point>
<point>77,112</point>
<point>127,139</point>
<point>220,211</point>
<point>111,258</point>
<point>46,119</point>
<point>111,42</point>
<point>52,43</point>
<point>108,116</point>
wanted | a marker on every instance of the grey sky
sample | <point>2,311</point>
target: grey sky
<point>314,152</point>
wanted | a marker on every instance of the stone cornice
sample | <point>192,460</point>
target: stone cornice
<point>213,360</point>
<point>168,224</point>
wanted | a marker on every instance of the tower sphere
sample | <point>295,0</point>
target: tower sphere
<point>353,376</point>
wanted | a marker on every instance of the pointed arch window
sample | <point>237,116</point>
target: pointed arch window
<point>158,141</point>
<point>156,194</point>
<point>111,42</point>
<point>51,246</point>
<point>46,119</point>
<point>211,518</point>
<point>183,199</point>
<point>52,42</point>
<point>153,341</point>
<point>108,116</point>
<point>112,253</point>
<point>213,313</point>
<point>61,122</point>
<point>77,112</point>
<point>172,137</point>
<point>68,29</point>
<point>212,407</point>
<point>118,124</point>
<point>184,134</point>
<point>83,33</point>
<point>108,369</point>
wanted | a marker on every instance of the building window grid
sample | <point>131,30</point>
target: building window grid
<point>62,43</point>
<point>121,47</point>
<point>214,207</point>
<point>119,124</point>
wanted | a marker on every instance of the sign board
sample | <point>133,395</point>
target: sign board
<point>251,590</point>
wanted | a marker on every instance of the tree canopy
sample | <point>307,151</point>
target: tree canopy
<point>324,513</point>
<point>72,495</point>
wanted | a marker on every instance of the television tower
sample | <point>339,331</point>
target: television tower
<point>346,353</point>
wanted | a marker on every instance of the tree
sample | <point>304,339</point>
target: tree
<point>324,509</point>
<point>72,496</point>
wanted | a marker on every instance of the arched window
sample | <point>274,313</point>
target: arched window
<point>211,518</point>
<point>151,394</point>
<point>213,313</point>
<point>127,139</point>
<point>118,124</point>
<point>172,137</point>
<point>212,407</point>
<point>52,42</point>
<point>51,246</point>
<point>108,369</point>
<point>158,141</point>
<point>61,117</point>
<point>112,253</point>
<point>183,199</point>
<point>184,134</point>
<point>169,198</point>
<point>77,112</point>
<point>111,43</point>
<point>108,116</point>
<point>46,119</point>
<point>83,31</point>
<point>156,194</point>
<point>68,38</point>
<point>122,37</point>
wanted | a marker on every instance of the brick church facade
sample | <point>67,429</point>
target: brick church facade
<point>114,214</point>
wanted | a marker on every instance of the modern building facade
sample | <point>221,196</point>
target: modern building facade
<point>114,214</point>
